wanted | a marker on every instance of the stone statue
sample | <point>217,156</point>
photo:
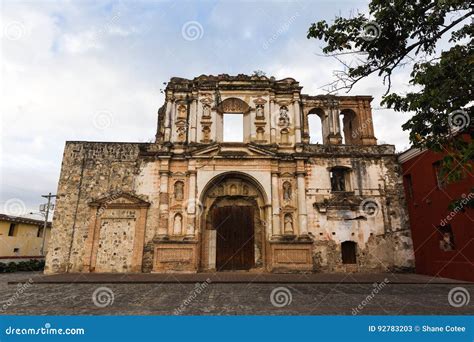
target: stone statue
<point>287,191</point>
<point>259,114</point>
<point>284,118</point>
<point>206,133</point>
<point>206,111</point>
<point>178,224</point>
<point>179,191</point>
<point>181,130</point>
<point>288,223</point>
<point>182,111</point>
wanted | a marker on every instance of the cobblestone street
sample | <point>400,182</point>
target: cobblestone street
<point>226,298</point>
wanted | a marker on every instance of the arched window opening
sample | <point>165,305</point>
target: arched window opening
<point>349,252</point>
<point>315,126</point>
<point>233,127</point>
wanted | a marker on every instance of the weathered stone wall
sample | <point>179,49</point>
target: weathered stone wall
<point>382,237</point>
<point>303,217</point>
<point>89,171</point>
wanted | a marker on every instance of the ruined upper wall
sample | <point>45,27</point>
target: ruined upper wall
<point>274,112</point>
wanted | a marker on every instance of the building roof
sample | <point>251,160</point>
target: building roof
<point>410,154</point>
<point>19,219</point>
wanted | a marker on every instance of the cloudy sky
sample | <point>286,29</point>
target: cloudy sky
<point>80,70</point>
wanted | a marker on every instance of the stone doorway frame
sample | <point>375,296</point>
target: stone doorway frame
<point>256,196</point>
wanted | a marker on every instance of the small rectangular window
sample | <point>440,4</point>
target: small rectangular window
<point>446,242</point>
<point>439,177</point>
<point>16,250</point>
<point>338,179</point>
<point>12,230</point>
<point>40,232</point>
<point>233,128</point>
<point>409,185</point>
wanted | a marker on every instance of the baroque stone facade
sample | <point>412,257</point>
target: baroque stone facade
<point>273,202</point>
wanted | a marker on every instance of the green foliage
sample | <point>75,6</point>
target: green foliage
<point>259,73</point>
<point>22,266</point>
<point>408,34</point>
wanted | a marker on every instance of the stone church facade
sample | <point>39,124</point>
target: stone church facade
<point>272,202</point>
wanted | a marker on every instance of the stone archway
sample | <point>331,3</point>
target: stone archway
<point>238,198</point>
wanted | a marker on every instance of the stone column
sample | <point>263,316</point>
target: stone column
<point>169,104</point>
<point>192,202</point>
<point>296,110</point>
<point>192,121</point>
<point>366,124</point>
<point>272,121</point>
<point>172,121</point>
<point>276,228</point>
<point>164,199</point>
<point>333,121</point>
<point>302,215</point>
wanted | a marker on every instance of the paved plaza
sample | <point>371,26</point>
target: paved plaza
<point>29,293</point>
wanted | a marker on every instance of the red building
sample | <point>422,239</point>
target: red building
<point>443,239</point>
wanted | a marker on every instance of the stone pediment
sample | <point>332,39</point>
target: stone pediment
<point>233,150</point>
<point>120,200</point>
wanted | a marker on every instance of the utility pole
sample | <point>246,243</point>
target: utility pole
<point>49,196</point>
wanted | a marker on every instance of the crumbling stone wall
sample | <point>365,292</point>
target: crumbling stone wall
<point>89,171</point>
<point>383,237</point>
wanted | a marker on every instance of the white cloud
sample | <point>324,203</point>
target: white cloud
<point>74,60</point>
